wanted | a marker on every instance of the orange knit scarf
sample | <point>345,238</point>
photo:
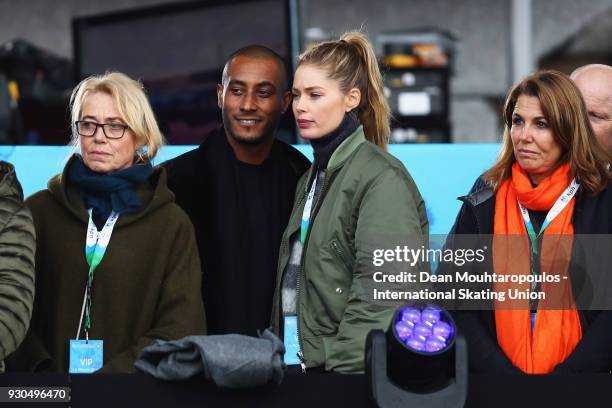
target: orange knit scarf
<point>557,326</point>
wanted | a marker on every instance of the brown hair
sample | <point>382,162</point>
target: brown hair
<point>351,61</point>
<point>565,111</point>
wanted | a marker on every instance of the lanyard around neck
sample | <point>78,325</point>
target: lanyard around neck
<point>307,211</point>
<point>556,209</point>
<point>96,243</point>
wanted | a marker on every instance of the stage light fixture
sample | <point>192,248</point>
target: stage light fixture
<point>421,360</point>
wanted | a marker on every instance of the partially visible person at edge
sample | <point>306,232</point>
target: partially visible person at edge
<point>551,165</point>
<point>595,84</point>
<point>237,187</point>
<point>16,263</point>
<point>355,198</point>
<point>146,285</point>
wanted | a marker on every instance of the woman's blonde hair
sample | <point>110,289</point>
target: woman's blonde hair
<point>352,62</point>
<point>565,111</point>
<point>131,103</point>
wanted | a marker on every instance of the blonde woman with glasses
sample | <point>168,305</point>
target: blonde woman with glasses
<point>116,263</point>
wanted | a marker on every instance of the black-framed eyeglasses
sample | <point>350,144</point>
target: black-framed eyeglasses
<point>111,130</point>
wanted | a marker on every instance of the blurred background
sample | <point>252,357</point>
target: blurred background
<point>447,64</point>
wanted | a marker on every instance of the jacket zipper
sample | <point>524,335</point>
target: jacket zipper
<point>301,272</point>
<point>339,251</point>
<point>285,247</point>
<point>301,357</point>
<point>278,316</point>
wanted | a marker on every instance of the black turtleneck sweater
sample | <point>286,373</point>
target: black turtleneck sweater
<point>324,147</point>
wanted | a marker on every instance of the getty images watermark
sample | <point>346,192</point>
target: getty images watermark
<point>486,272</point>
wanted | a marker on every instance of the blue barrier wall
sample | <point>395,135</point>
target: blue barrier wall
<point>442,172</point>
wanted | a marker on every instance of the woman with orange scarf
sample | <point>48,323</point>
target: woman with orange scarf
<point>550,181</point>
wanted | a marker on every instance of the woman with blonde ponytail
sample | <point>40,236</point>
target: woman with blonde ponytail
<point>355,201</point>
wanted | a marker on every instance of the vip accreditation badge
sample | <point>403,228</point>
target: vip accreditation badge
<point>85,356</point>
<point>292,344</point>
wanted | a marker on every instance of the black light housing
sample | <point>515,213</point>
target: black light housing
<point>410,365</point>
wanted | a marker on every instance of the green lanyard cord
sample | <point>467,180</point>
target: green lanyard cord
<point>95,248</point>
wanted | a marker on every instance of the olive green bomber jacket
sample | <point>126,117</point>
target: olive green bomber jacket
<point>368,202</point>
<point>17,247</point>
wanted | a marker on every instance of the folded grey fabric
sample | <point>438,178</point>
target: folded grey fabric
<point>230,360</point>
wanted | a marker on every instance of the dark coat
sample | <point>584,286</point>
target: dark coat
<point>145,288</point>
<point>16,263</point>
<point>592,215</point>
<point>238,261</point>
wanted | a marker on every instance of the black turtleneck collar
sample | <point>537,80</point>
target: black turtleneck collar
<point>324,147</point>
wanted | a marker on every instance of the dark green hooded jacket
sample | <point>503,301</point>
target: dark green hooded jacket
<point>148,285</point>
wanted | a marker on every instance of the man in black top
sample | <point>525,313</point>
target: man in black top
<point>238,188</point>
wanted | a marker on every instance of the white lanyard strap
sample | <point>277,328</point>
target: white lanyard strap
<point>95,248</point>
<point>98,241</point>
<point>308,210</point>
<point>556,209</point>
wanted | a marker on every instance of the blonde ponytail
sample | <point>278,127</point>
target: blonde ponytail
<point>352,62</point>
<point>374,109</point>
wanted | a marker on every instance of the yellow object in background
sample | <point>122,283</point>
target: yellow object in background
<point>401,61</point>
<point>13,89</point>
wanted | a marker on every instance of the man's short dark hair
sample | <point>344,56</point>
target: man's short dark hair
<point>257,51</point>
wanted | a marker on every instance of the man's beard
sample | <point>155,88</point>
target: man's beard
<point>263,137</point>
<point>251,141</point>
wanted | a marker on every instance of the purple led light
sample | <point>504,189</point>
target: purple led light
<point>433,344</point>
<point>411,315</point>
<point>442,329</point>
<point>415,343</point>
<point>431,315</point>
<point>403,329</point>
<point>426,328</point>
<point>423,330</point>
